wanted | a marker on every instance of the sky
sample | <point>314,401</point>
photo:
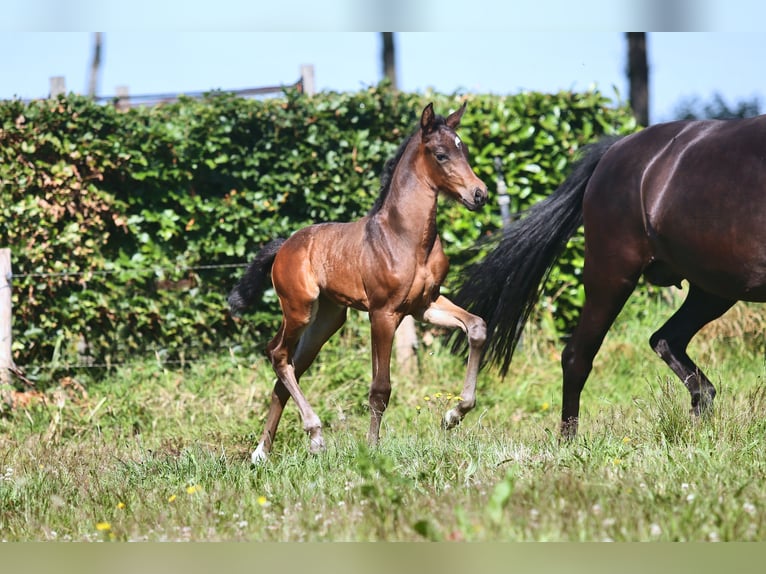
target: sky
<point>526,54</point>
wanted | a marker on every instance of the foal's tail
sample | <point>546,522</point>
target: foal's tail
<point>504,287</point>
<point>253,283</point>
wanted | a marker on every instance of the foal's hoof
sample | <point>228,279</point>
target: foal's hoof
<point>259,455</point>
<point>451,419</point>
<point>316,445</point>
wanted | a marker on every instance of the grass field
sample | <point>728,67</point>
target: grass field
<point>160,454</point>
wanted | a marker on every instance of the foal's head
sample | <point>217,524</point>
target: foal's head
<point>445,158</point>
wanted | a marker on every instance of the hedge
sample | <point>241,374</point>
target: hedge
<point>128,228</point>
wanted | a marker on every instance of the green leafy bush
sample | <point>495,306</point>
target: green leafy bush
<point>128,228</point>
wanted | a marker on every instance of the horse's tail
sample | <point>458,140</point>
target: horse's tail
<point>504,287</point>
<point>251,286</point>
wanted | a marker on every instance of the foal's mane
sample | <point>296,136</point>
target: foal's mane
<point>390,167</point>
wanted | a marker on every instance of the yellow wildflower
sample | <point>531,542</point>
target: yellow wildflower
<point>545,406</point>
<point>103,526</point>
<point>193,488</point>
<point>121,505</point>
<point>263,501</point>
<point>171,498</point>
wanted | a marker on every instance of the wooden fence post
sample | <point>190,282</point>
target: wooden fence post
<point>307,77</point>
<point>57,86</point>
<point>406,344</point>
<point>6,358</point>
<point>123,98</point>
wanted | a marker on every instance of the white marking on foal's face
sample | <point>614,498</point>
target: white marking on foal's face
<point>457,142</point>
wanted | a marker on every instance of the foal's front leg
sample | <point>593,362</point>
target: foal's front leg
<point>382,327</point>
<point>445,313</point>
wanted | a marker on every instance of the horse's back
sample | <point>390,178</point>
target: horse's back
<point>697,191</point>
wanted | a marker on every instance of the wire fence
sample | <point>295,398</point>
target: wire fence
<point>123,99</point>
<point>211,354</point>
<point>42,275</point>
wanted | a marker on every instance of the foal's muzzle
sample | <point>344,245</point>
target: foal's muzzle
<point>479,196</point>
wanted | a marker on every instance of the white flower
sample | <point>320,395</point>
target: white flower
<point>596,509</point>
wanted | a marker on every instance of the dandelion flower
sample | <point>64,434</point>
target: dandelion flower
<point>121,505</point>
<point>262,500</point>
<point>625,440</point>
<point>438,396</point>
<point>103,526</point>
<point>426,398</point>
<point>545,406</point>
<point>171,498</point>
<point>193,488</point>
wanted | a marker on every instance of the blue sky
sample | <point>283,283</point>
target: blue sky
<point>517,46</point>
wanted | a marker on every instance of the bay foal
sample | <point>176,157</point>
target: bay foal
<point>389,263</point>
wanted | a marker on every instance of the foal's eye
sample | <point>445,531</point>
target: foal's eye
<point>441,157</point>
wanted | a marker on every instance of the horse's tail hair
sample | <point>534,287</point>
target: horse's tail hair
<point>504,286</point>
<point>253,283</point>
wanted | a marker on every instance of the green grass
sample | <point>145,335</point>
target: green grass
<point>159,454</point>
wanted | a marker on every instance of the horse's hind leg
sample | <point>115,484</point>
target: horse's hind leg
<point>327,319</point>
<point>671,340</point>
<point>605,295</point>
<point>445,313</point>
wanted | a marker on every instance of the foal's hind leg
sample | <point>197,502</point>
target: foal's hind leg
<point>327,319</point>
<point>671,340</point>
<point>445,313</point>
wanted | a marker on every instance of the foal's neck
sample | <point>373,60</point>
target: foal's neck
<point>409,209</point>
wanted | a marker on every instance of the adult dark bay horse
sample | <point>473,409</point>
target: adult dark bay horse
<point>389,263</point>
<point>679,200</point>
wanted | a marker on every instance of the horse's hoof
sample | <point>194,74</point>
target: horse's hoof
<point>568,431</point>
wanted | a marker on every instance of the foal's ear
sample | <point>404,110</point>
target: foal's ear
<point>427,118</point>
<point>453,120</point>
